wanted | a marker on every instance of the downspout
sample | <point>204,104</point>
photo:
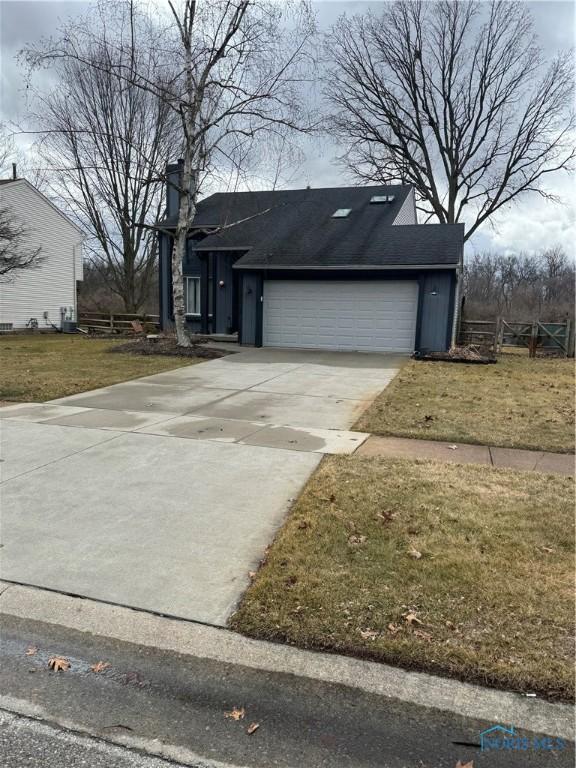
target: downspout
<point>457,291</point>
<point>74,284</point>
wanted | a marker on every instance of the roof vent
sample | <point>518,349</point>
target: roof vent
<point>341,213</point>
<point>375,199</point>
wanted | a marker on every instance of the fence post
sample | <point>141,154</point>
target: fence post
<point>569,339</point>
<point>533,340</point>
<point>111,322</point>
<point>497,327</point>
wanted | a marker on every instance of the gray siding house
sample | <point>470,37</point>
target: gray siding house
<point>345,268</point>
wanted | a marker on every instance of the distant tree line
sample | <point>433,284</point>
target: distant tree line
<point>96,295</point>
<point>520,286</point>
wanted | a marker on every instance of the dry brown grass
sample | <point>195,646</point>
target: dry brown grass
<point>517,403</point>
<point>43,367</point>
<point>492,588</point>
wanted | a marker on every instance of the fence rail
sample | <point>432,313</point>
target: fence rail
<point>117,322</point>
<point>534,335</point>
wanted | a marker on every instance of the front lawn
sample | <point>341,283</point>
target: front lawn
<point>464,571</point>
<point>44,367</point>
<point>517,403</point>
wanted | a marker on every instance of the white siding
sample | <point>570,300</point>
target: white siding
<point>407,213</point>
<point>52,285</point>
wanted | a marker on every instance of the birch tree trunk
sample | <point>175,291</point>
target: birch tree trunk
<point>179,252</point>
<point>186,212</point>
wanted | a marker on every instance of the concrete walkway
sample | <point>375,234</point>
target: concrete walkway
<point>462,453</point>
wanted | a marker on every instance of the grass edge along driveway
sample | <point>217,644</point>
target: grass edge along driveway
<point>516,403</point>
<point>35,368</point>
<point>463,571</point>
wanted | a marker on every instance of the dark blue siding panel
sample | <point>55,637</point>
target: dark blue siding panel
<point>250,297</point>
<point>165,280</point>
<point>436,312</point>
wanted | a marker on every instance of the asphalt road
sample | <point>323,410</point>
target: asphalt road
<point>178,707</point>
<point>27,743</point>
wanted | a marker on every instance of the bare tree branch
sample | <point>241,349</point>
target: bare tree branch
<point>454,98</point>
<point>103,140</point>
<point>15,255</point>
<point>226,69</point>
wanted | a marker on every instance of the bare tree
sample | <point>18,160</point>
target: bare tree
<point>520,286</point>
<point>15,254</point>
<point>453,97</point>
<point>231,72</point>
<point>103,140</point>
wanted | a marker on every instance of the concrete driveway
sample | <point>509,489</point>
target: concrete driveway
<point>163,493</point>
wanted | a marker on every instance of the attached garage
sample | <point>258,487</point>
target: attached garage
<point>342,268</point>
<point>374,316</point>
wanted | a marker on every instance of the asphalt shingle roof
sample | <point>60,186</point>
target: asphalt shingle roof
<point>295,228</point>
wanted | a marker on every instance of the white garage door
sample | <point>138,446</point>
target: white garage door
<point>375,316</point>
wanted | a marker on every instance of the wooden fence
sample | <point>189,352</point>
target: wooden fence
<point>498,333</point>
<point>117,322</point>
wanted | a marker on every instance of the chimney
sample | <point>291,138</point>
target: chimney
<point>14,175</point>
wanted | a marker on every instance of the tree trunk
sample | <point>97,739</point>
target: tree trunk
<point>185,213</point>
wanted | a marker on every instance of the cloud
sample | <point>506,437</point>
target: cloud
<point>533,223</point>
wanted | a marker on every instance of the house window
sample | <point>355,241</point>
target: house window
<point>192,295</point>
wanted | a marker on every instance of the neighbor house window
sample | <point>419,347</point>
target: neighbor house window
<point>192,295</point>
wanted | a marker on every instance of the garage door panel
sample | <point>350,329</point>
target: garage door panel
<point>359,315</point>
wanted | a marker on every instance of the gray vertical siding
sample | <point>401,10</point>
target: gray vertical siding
<point>250,297</point>
<point>165,281</point>
<point>436,311</point>
<point>224,293</point>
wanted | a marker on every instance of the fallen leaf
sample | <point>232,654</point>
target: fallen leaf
<point>450,624</point>
<point>368,634</point>
<point>303,524</point>
<point>100,666</point>
<point>236,714</point>
<point>549,550</point>
<point>393,628</point>
<point>355,539</point>
<point>252,574</point>
<point>428,418</point>
<point>415,554</point>
<point>252,727</point>
<point>452,447</point>
<point>31,650</point>
<point>423,635</point>
<point>58,664</point>
<point>411,618</point>
<point>465,765</point>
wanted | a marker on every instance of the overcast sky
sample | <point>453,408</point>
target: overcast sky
<point>528,225</point>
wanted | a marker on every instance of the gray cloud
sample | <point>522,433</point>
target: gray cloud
<point>529,225</point>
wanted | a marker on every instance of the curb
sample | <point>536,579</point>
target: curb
<point>223,645</point>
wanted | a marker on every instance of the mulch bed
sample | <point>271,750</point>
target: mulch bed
<point>469,354</point>
<point>167,346</point>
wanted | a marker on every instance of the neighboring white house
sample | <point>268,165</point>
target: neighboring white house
<point>45,293</point>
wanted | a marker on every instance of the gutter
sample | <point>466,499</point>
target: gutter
<point>348,267</point>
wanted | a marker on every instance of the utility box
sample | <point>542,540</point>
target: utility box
<point>69,326</point>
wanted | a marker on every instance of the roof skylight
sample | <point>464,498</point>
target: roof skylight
<point>341,213</point>
<point>382,199</point>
